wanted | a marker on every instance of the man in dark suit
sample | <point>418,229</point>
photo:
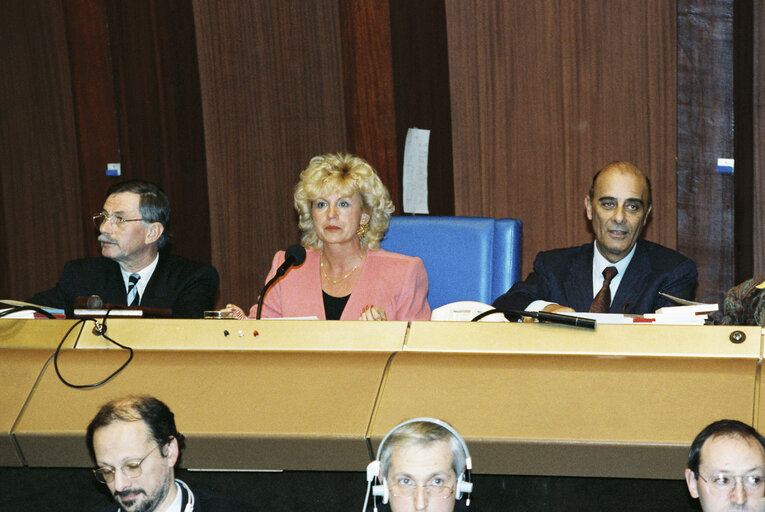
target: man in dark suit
<point>617,265</point>
<point>135,445</point>
<point>133,270</point>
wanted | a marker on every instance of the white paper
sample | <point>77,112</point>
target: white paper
<point>416,171</point>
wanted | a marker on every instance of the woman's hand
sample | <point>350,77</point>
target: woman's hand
<point>372,313</point>
<point>235,310</point>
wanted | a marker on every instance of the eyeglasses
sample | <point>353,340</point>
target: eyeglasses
<point>754,485</point>
<point>116,220</point>
<point>437,487</point>
<point>131,469</point>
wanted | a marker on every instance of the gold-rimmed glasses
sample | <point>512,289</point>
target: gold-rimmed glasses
<point>116,219</point>
<point>436,487</point>
<point>131,469</point>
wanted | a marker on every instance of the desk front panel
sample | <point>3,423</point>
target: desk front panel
<point>280,335</point>
<point>578,415</point>
<point>238,409</point>
<point>19,369</point>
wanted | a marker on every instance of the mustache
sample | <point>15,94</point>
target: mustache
<point>106,238</point>
<point>127,492</point>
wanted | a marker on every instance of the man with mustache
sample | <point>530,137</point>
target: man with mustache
<point>135,446</point>
<point>618,265</point>
<point>133,227</point>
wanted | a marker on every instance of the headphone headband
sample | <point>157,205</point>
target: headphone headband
<point>435,421</point>
<point>374,469</point>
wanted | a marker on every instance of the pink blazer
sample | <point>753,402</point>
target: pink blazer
<point>392,281</point>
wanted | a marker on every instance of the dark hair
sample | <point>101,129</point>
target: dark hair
<point>159,419</point>
<point>725,428</point>
<point>622,165</point>
<point>154,204</point>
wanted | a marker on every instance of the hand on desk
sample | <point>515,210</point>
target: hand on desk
<point>373,313</point>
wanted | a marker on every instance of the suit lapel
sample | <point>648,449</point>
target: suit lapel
<point>156,284</point>
<point>631,283</point>
<point>578,288</point>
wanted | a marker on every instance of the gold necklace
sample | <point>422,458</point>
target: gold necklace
<point>335,281</point>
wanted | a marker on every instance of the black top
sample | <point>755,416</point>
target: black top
<point>334,306</point>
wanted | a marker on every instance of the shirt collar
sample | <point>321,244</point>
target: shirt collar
<point>145,274</point>
<point>599,263</point>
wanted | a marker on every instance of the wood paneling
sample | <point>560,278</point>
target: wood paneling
<point>40,206</point>
<point>421,89</point>
<point>156,77</point>
<point>368,87</point>
<point>272,97</point>
<point>705,133</point>
<point>545,93</point>
<point>94,109</point>
<point>758,135</point>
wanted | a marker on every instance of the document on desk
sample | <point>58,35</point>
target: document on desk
<point>603,318</point>
<point>648,318</point>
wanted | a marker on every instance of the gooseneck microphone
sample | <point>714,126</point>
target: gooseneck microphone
<point>552,318</point>
<point>294,256</point>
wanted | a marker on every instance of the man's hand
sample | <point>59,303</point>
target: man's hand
<point>557,308</point>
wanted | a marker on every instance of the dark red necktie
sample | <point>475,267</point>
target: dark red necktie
<point>602,301</point>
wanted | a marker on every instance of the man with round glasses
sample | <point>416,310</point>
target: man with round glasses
<point>423,465</point>
<point>726,468</point>
<point>135,446</point>
<point>133,227</point>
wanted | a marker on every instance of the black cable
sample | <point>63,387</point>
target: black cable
<point>102,329</point>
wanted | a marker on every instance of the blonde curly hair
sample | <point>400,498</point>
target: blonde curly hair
<point>346,174</point>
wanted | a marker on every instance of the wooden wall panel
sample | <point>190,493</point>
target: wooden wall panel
<point>95,112</point>
<point>40,212</point>
<point>758,136</point>
<point>705,117</point>
<point>545,93</point>
<point>368,86</point>
<point>421,89</point>
<point>161,132</point>
<point>272,96</point>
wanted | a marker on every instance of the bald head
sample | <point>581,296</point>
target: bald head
<point>618,206</point>
<point>621,166</point>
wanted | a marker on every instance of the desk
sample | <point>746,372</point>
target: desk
<point>279,400</point>
<point>620,401</point>
<point>307,395</point>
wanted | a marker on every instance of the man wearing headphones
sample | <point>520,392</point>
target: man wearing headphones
<point>423,465</point>
<point>135,447</point>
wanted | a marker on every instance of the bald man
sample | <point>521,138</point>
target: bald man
<point>618,272</point>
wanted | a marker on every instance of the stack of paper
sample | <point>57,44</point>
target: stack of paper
<point>695,314</point>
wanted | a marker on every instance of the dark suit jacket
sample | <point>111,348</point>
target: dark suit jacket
<point>203,502</point>
<point>564,276</point>
<point>187,287</point>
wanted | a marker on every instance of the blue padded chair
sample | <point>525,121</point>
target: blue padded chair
<point>467,258</point>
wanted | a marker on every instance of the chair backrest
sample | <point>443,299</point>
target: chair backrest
<point>508,255</point>
<point>460,254</point>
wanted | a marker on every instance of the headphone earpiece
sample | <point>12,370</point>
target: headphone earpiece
<point>463,487</point>
<point>381,491</point>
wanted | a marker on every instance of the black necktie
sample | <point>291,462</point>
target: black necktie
<point>133,289</point>
<point>602,301</point>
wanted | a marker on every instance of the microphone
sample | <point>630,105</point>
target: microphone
<point>94,302</point>
<point>293,256</point>
<point>553,318</point>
